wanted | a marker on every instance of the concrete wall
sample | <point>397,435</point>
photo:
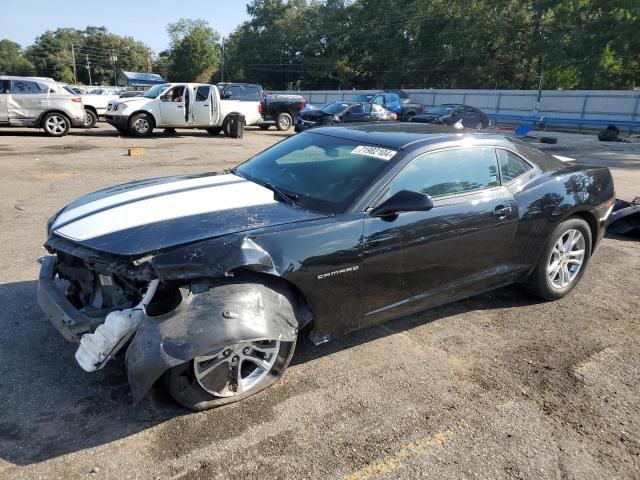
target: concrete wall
<point>576,104</point>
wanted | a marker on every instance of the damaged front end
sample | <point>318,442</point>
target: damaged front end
<point>105,302</point>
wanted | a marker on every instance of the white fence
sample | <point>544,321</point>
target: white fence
<point>608,105</point>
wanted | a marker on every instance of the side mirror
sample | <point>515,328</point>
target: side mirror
<point>403,201</point>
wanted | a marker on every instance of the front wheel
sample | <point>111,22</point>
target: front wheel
<point>563,260</point>
<point>56,124</point>
<point>229,374</point>
<point>141,125</point>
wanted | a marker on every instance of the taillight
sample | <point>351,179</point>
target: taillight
<point>302,105</point>
<point>260,108</point>
<point>76,99</point>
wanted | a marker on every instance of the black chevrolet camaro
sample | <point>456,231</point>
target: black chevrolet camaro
<point>207,279</point>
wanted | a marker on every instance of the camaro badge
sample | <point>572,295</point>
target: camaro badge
<point>338,272</point>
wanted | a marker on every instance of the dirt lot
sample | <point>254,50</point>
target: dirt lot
<point>497,386</point>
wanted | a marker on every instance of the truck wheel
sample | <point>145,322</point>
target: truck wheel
<point>284,122</point>
<point>264,126</point>
<point>56,124</point>
<point>91,118</point>
<point>214,130</point>
<point>141,125</point>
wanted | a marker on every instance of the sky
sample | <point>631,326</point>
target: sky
<point>143,20</point>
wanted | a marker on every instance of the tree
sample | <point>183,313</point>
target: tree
<point>194,54</point>
<point>12,62</point>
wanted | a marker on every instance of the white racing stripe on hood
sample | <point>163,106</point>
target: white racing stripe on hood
<point>167,207</point>
<point>138,193</point>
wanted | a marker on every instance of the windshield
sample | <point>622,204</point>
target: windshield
<point>155,91</point>
<point>335,108</point>
<point>441,109</point>
<point>363,97</point>
<point>319,172</point>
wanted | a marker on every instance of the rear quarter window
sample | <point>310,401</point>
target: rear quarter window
<point>511,165</point>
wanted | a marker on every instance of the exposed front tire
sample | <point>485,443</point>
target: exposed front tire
<point>563,260</point>
<point>229,374</point>
<point>56,124</point>
<point>90,119</point>
<point>141,125</point>
<point>284,122</point>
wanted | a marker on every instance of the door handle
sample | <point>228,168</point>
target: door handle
<point>205,105</point>
<point>501,211</point>
<point>179,106</point>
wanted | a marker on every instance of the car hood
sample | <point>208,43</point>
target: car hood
<point>153,215</point>
<point>315,115</point>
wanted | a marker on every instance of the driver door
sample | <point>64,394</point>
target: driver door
<point>172,106</point>
<point>415,260</point>
<point>202,105</point>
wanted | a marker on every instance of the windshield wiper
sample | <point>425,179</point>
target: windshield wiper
<point>289,198</point>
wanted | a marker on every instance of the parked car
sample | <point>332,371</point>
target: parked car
<point>394,101</point>
<point>343,112</point>
<point>212,276</point>
<point>39,103</point>
<point>95,104</point>
<point>278,109</point>
<point>178,105</point>
<point>452,113</point>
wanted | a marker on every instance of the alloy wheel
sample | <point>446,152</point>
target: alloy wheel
<point>236,369</point>
<point>566,259</point>
<point>141,125</point>
<point>56,124</point>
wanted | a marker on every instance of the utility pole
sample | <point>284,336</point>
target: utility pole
<point>73,57</point>
<point>88,67</point>
<point>114,60</point>
<point>222,66</point>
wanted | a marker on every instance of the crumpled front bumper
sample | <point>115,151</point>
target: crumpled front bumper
<point>118,121</point>
<point>70,322</point>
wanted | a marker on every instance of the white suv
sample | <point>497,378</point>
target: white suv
<point>39,103</point>
<point>178,105</point>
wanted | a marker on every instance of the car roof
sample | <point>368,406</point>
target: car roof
<point>401,135</point>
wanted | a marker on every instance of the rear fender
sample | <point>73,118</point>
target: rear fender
<point>208,319</point>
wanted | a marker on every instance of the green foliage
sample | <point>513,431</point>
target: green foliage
<point>12,61</point>
<point>438,43</point>
<point>194,54</point>
<point>52,55</point>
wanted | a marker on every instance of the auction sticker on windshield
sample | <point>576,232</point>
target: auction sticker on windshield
<point>376,152</point>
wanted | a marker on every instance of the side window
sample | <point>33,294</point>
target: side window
<point>356,109</point>
<point>5,86</point>
<point>24,87</point>
<point>174,95</point>
<point>368,108</point>
<point>511,165</point>
<point>378,100</point>
<point>469,111</point>
<point>252,91</point>
<point>202,93</point>
<point>234,91</point>
<point>449,172</point>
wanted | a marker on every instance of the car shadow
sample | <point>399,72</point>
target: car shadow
<point>50,407</point>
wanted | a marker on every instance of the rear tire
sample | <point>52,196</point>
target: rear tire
<point>56,124</point>
<point>284,122</point>
<point>91,118</point>
<point>141,125</point>
<point>557,271</point>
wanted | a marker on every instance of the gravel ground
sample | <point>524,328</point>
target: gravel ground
<point>496,386</point>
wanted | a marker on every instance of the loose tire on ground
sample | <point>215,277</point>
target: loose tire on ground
<point>539,282</point>
<point>56,124</point>
<point>284,122</point>
<point>91,118</point>
<point>141,125</point>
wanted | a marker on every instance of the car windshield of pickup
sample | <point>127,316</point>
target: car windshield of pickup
<point>317,172</point>
<point>155,91</point>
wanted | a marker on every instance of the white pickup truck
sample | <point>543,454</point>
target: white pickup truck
<point>96,102</point>
<point>178,105</point>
